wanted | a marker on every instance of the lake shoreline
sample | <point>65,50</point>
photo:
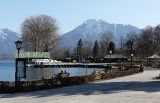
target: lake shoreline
<point>25,86</point>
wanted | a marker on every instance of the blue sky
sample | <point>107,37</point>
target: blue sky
<point>71,13</point>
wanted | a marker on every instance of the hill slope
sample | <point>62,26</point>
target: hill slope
<point>7,39</point>
<point>93,29</point>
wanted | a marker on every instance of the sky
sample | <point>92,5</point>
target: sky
<point>71,13</point>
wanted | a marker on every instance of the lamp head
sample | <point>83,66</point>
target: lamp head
<point>132,55</point>
<point>110,51</point>
<point>18,45</point>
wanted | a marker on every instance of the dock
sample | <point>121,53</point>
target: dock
<point>70,65</point>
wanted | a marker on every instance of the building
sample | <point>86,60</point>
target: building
<point>114,58</point>
<point>153,60</point>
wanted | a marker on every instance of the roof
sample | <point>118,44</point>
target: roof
<point>154,56</point>
<point>33,55</point>
<point>115,56</point>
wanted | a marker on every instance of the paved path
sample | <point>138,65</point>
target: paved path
<point>138,88</point>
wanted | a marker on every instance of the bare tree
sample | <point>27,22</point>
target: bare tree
<point>156,33</point>
<point>39,33</point>
<point>130,44</point>
<point>104,43</point>
<point>149,41</point>
<point>67,53</point>
<point>145,43</point>
<point>87,49</point>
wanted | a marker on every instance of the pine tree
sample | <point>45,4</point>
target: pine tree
<point>80,49</point>
<point>111,47</point>
<point>95,49</point>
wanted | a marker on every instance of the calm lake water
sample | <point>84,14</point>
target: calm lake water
<point>7,71</point>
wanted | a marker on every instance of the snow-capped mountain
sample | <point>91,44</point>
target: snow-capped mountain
<point>93,29</point>
<point>90,30</point>
<point>7,39</point>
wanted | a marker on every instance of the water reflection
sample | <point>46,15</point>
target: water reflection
<point>38,73</point>
<point>7,71</point>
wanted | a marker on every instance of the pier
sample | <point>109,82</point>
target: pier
<point>85,65</point>
<point>66,65</point>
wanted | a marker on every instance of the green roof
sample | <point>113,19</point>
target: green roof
<point>33,55</point>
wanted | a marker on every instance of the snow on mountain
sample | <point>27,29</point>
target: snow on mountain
<point>92,29</point>
<point>7,39</point>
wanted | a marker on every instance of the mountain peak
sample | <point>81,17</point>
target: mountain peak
<point>93,21</point>
<point>102,22</point>
<point>92,24</point>
<point>7,39</point>
<point>7,32</point>
<point>99,20</point>
<point>3,30</point>
<point>93,29</point>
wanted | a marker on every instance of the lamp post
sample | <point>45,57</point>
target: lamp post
<point>110,52</point>
<point>18,47</point>
<point>131,43</point>
<point>131,61</point>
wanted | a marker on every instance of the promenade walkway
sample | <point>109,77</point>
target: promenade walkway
<point>138,88</point>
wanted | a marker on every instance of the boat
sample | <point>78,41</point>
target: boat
<point>43,62</point>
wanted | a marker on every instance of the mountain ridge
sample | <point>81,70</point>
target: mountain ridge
<point>92,29</point>
<point>7,39</point>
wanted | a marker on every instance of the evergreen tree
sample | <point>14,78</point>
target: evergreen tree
<point>67,53</point>
<point>80,49</point>
<point>111,47</point>
<point>95,49</point>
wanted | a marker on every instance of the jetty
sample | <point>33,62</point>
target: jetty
<point>67,65</point>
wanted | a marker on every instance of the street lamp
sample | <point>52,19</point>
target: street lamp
<point>131,61</point>
<point>18,47</point>
<point>110,52</point>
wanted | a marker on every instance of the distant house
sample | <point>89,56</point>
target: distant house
<point>115,58</point>
<point>153,60</point>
